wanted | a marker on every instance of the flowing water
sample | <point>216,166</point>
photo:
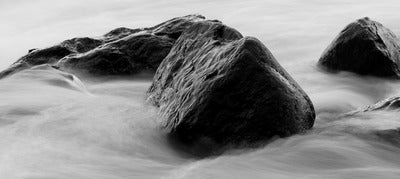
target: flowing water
<point>57,127</point>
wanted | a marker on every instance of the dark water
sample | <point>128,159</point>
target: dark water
<point>55,127</point>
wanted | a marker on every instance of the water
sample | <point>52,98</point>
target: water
<point>57,127</point>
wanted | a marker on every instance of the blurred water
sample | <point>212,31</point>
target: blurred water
<point>57,126</point>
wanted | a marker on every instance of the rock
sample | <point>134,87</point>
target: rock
<point>389,104</point>
<point>131,54</point>
<point>218,88</point>
<point>377,122</point>
<point>119,33</point>
<point>390,135</point>
<point>51,55</point>
<point>364,47</point>
<point>122,51</point>
<point>81,45</point>
<point>37,57</point>
<point>50,75</point>
<point>392,103</point>
<point>127,56</point>
<point>31,50</point>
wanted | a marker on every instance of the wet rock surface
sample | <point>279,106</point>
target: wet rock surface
<point>122,51</point>
<point>127,56</point>
<point>216,88</point>
<point>364,47</point>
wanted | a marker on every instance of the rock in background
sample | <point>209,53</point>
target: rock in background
<point>122,51</point>
<point>364,47</point>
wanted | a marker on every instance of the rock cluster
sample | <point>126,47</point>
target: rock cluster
<point>213,86</point>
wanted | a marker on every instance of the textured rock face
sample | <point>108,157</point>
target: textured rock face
<point>129,55</point>
<point>365,47</point>
<point>122,51</point>
<point>216,87</point>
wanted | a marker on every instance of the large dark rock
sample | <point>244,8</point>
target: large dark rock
<point>217,87</point>
<point>122,51</point>
<point>365,47</point>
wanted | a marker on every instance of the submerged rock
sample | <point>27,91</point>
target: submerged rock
<point>217,87</point>
<point>378,121</point>
<point>392,103</point>
<point>390,135</point>
<point>122,51</point>
<point>50,75</point>
<point>364,47</point>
